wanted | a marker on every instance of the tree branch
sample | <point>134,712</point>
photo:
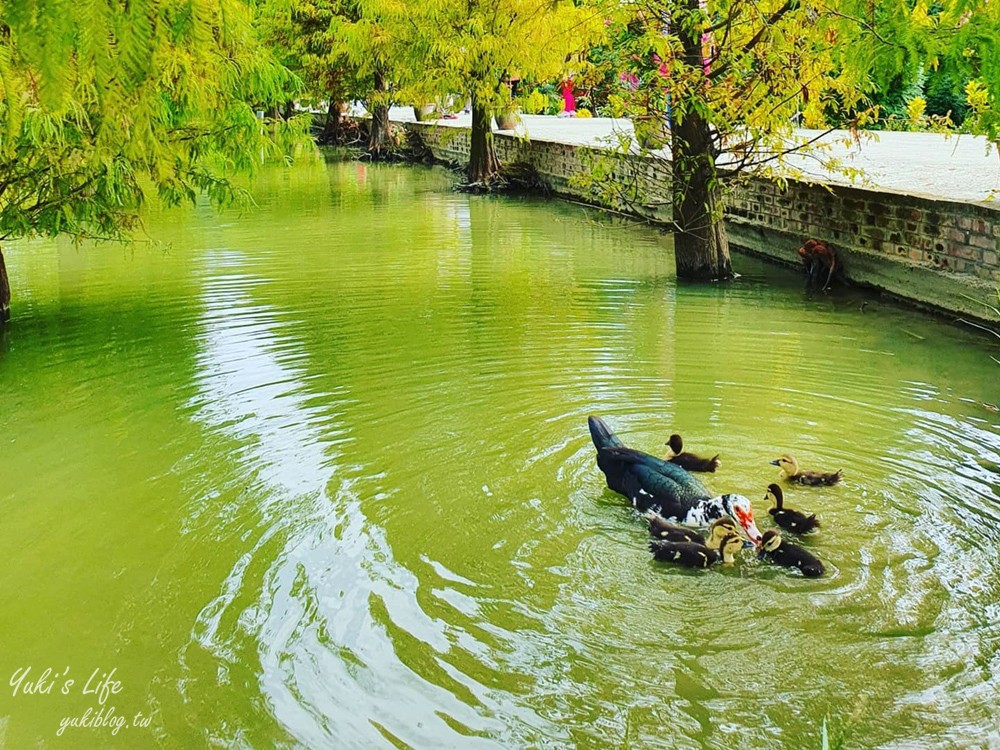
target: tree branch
<point>780,13</point>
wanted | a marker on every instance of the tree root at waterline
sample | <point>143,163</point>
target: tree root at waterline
<point>519,177</point>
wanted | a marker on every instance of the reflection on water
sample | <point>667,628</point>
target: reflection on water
<point>318,616</point>
<point>329,470</point>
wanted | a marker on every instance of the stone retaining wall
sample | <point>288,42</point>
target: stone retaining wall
<point>932,252</point>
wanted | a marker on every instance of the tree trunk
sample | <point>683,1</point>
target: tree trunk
<point>379,138</point>
<point>4,292</point>
<point>332,134</point>
<point>483,163</point>
<point>701,246</point>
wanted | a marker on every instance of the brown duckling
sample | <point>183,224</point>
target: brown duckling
<point>786,518</point>
<point>793,473</point>
<point>719,529</point>
<point>661,528</point>
<point>789,555</point>
<point>692,555</point>
<point>689,461</point>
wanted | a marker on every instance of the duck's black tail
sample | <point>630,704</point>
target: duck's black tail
<point>613,468</point>
<point>602,435</point>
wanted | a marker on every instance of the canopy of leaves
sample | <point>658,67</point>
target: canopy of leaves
<point>426,51</point>
<point>102,102</point>
<point>475,46</point>
<point>305,35</point>
<point>767,65</point>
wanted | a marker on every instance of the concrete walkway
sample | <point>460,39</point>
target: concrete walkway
<point>959,168</point>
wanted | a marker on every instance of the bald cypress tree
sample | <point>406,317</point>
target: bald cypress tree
<point>731,78</point>
<point>103,104</point>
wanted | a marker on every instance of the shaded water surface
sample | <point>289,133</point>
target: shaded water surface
<point>318,475</point>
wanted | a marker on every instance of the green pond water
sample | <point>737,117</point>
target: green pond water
<point>318,475</point>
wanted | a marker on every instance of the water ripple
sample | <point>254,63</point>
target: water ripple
<point>373,516</point>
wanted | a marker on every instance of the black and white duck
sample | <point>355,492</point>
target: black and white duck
<point>791,471</point>
<point>652,483</point>
<point>689,461</point>
<point>693,555</point>
<point>789,555</point>
<point>788,519</point>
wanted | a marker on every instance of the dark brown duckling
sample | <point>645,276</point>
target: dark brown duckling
<point>793,473</point>
<point>692,555</point>
<point>789,555</point>
<point>689,461</point>
<point>786,518</point>
<point>661,528</point>
<point>720,530</point>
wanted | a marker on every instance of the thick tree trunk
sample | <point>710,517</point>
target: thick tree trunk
<point>483,165</point>
<point>4,292</point>
<point>379,138</point>
<point>700,243</point>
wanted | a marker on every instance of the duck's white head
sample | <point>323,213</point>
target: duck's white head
<point>739,508</point>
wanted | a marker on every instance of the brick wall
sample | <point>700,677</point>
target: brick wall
<point>948,236</point>
<point>935,253</point>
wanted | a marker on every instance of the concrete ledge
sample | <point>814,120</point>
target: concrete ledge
<point>935,253</point>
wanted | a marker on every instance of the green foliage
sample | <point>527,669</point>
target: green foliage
<point>944,97</point>
<point>477,46</point>
<point>893,98</point>
<point>103,103</point>
<point>345,50</point>
<point>544,99</point>
<point>764,64</point>
<point>303,35</point>
<point>535,103</point>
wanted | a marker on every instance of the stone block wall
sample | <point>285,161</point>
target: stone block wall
<point>949,236</point>
<point>931,252</point>
<point>637,185</point>
<point>936,253</point>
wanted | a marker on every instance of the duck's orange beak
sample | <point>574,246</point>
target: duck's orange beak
<point>745,519</point>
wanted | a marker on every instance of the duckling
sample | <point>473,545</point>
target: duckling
<point>692,555</point>
<point>729,546</point>
<point>793,473</point>
<point>780,552</point>
<point>661,528</point>
<point>786,518</point>
<point>719,530</point>
<point>689,461</point>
